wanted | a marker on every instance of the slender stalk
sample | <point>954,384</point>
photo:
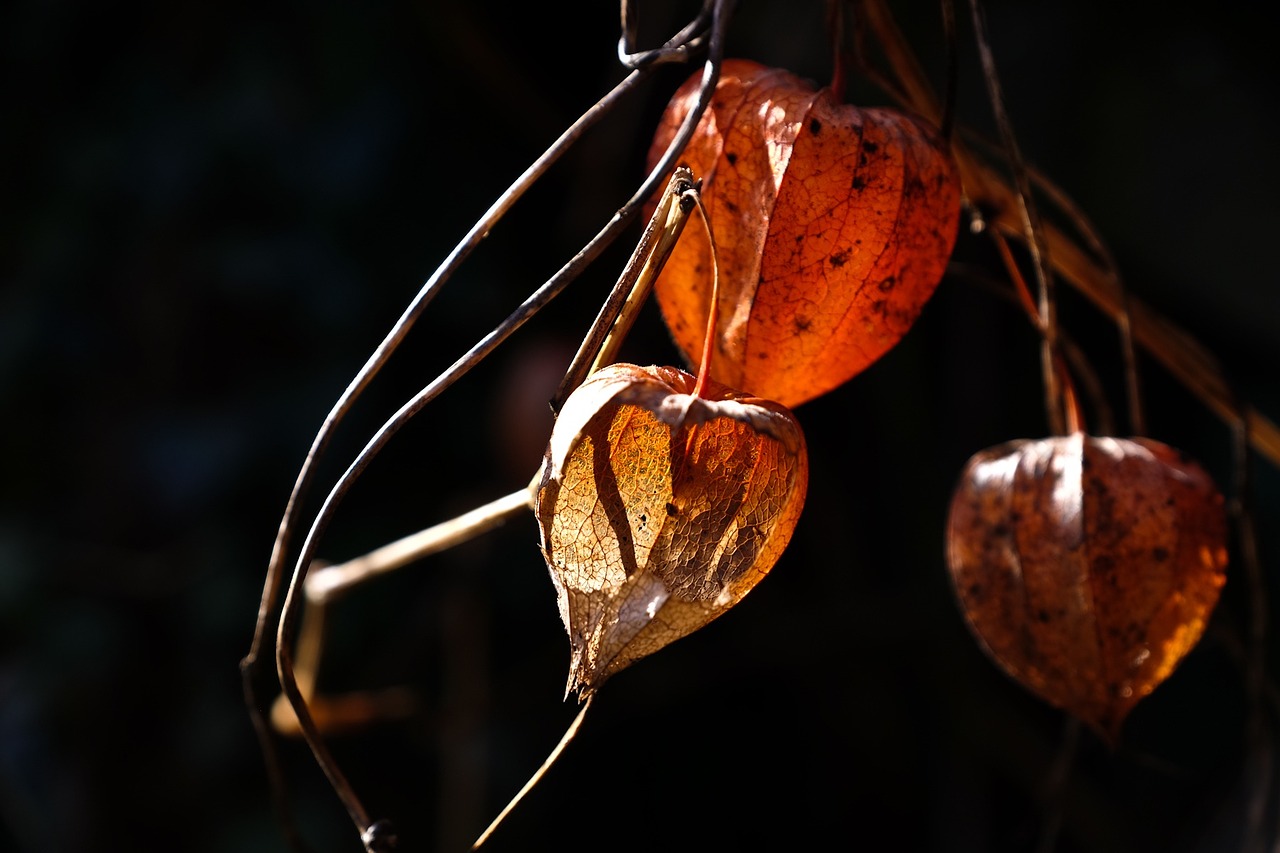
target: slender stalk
<point>287,626</point>
<point>551,759</point>
<point>1082,372</point>
<point>250,665</point>
<point>620,308</point>
<point>329,582</point>
<point>1180,354</point>
<point>1032,234</point>
<point>1123,318</point>
<point>677,49</point>
<point>396,335</point>
<point>1072,420</point>
<point>713,311</point>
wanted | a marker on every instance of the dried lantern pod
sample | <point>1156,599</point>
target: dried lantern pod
<point>1087,567</point>
<point>659,509</point>
<point>833,226</point>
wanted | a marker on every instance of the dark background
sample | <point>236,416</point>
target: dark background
<point>212,212</point>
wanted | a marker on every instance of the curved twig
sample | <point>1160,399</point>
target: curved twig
<point>251,663</point>
<point>1180,354</point>
<point>677,49</point>
<point>543,295</point>
<point>1030,221</point>
<point>569,735</point>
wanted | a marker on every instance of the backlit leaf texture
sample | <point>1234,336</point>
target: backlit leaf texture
<point>660,510</point>
<point>833,226</point>
<point>1087,567</point>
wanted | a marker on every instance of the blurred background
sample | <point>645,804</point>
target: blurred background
<point>212,212</point>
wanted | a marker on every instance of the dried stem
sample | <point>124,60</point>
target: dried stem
<point>327,583</point>
<point>1186,359</point>
<point>1031,230</point>
<point>622,305</point>
<point>1124,320</point>
<point>677,49</point>
<point>1081,372</point>
<point>1071,407</point>
<point>713,312</point>
<point>551,759</point>
<point>287,626</point>
<point>251,664</point>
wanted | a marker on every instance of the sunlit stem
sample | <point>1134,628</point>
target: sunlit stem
<point>617,315</point>
<point>1072,419</point>
<point>677,49</point>
<point>325,584</point>
<point>537,777</point>
<point>287,625</point>
<point>311,636</point>
<point>713,313</point>
<point>1070,404</point>
<point>1032,230</point>
<point>1184,357</point>
<point>280,554</point>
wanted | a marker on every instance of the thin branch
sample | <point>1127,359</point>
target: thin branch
<point>1180,354</point>
<point>267,745</point>
<point>329,582</point>
<point>1070,403</point>
<point>677,49</point>
<point>713,309</point>
<point>400,329</point>
<point>251,663</point>
<point>1124,319</point>
<point>1082,371</point>
<point>1031,227</point>
<point>553,287</point>
<point>622,305</point>
<point>551,759</point>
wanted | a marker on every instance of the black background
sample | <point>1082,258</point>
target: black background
<point>212,212</point>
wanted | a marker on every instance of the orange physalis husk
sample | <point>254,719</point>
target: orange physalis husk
<point>833,224</point>
<point>1087,567</point>
<point>659,510</point>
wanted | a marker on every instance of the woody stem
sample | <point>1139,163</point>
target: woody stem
<point>713,312</point>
